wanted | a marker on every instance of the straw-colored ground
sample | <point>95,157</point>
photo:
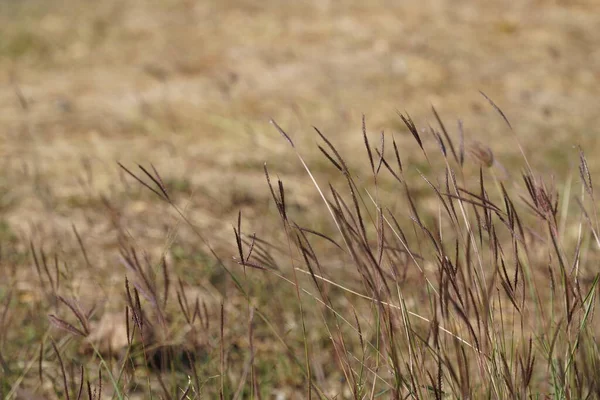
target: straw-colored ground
<point>190,86</point>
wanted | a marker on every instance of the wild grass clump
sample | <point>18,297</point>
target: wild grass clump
<point>458,281</point>
<point>503,309</point>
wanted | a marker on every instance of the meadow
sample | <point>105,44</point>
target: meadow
<point>289,200</point>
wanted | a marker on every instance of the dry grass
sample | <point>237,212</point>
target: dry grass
<point>437,259</point>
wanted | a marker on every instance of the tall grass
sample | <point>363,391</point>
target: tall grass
<point>441,280</point>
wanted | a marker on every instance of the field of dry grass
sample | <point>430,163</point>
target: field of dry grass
<point>90,91</point>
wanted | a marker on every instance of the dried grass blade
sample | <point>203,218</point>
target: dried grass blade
<point>446,135</point>
<point>584,172</point>
<point>157,181</point>
<point>62,368</point>
<point>64,325</point>
<point>412,128</point>
<point>497,109</point>
<point>397,154</point>
<point>368,147</point>
<point>142,182</point>
<point>331,160</point>
<point>282,132</point>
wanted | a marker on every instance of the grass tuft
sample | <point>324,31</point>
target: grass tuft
<point>451,281</point>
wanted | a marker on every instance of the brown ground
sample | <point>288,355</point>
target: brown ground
<point>190,86</point>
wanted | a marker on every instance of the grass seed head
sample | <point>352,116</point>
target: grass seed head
<point>481,153</point>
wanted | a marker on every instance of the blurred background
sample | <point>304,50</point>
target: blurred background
<point>189,87</point>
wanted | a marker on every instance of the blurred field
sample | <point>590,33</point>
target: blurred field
<point>190,86</point>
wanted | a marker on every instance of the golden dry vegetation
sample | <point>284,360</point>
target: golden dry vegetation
<point>188,88</point>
